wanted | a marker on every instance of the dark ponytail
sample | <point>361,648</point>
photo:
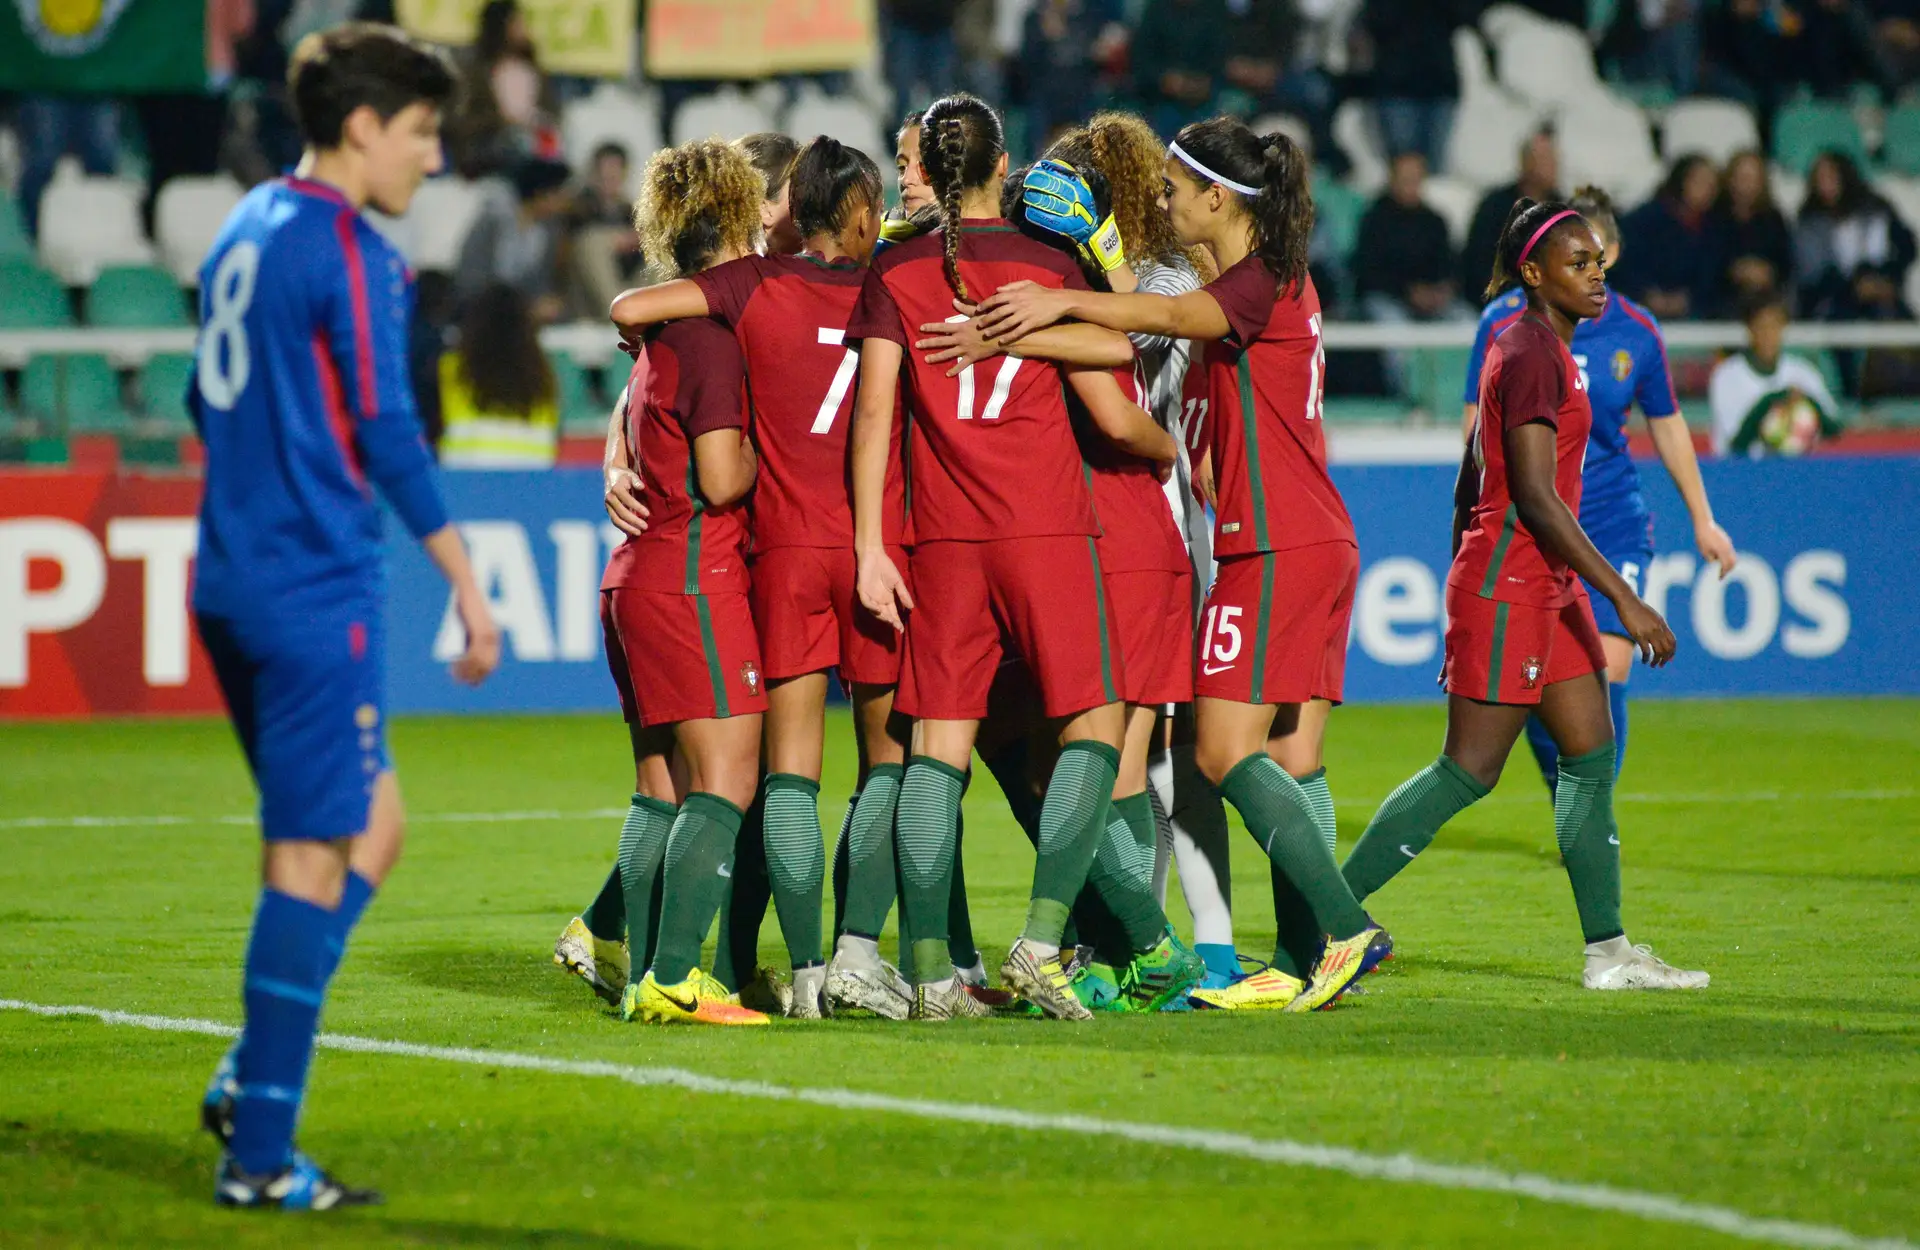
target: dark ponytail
<point>831,181</point>
<point>1523,219</point>
<point>1282,210</point>
<point>961,142</point>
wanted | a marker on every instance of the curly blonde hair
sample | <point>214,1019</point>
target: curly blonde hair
<point>1132,158</point>
<point>697,200</point>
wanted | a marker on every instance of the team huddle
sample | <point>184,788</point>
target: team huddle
<point>1037,468</point>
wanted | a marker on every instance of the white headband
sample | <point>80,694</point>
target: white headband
<point>1180,152</point>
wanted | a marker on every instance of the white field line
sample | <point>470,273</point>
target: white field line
<point>613,813</point>
<point>1401,1169</point>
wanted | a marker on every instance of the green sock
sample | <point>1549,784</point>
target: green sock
<point>796,862</point>
<point>1072,821</point>
<point>1407,822</point>
<point>699,865</point>
<point>1280,817</point>
<point>927,828</point>
<point>1117,875</point>
<point>870,875</point>
<point>643,847</point>
<point>606,916</point>
<point>1320,798</point>
<point>842,865</point>
<point>961,950</point>
<point>743,906</point>
<point>1589,840</point>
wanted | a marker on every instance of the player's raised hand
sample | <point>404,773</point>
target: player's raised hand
<point>1019,308</point>
<point>957,339</point>
<point>624,508</point>
<point>882,590</point>
<point>1716,548</point>
<point>1652,637</point>
<point>482,655</point>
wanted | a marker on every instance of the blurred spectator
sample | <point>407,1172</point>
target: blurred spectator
<point>183,130</point>
<point>1415,84</point>
<point>1829,46</point>
<point>497,390</point>
<point>1896,35</point>
<point>1058,63</point>
<point>1765,401</point>
<point>1851,250</point>
<point>1180,60</point>
<point>1271,60</point>
<point>52,126</point>
<point>921,52</point>
<point>982,66</point>
<point>1759,242</point>
<point>505,110</point>
<point>1679,248</point>
<point>1539,179</point>
<point>605,248</point>
<point>516,240</point>
<point>1403,261</point>
<point>1743,57</point>
<point>1670,52</point>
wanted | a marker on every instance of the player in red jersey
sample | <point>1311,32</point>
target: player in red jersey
<point>1273,643</point>
<point>789,314</point>
<point>680,636</point>
<point>1005,556</point>
<point>1521,637</point>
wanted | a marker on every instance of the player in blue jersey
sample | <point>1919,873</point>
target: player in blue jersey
<point>1623,359</point>
<point>302,398</point>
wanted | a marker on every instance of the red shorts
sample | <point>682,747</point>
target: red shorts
<point>1152,611</point>
<point>1275,626</point>
<point>682,657</point>
<point>810,618</point>
<point>1041,598</point>
<point>1511,652</point>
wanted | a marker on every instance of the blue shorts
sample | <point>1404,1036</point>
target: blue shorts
<point>1628,548</point>
<point>308,702</point>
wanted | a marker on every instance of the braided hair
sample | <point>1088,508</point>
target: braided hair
<point>1282,211</point>
<point>961,143</point>
<point>1525,217</point>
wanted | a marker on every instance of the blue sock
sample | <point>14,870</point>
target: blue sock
<point>1544,752</point>
<point>354,897</point>
<point>1219,958</point>
<point>286,958</point>
<point>1617,700</point>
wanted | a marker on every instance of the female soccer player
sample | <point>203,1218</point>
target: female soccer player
<point>680,636</point>
<point>1005,555</point>
<point>789,314</point>
<point>1268,661</point>
<point>1521,638</point>
<point>773,155</point>
<point>1623,360</point>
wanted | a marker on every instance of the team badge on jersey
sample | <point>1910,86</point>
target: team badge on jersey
<point>1530,672</point>
<point>1622,365</point>
<point>750,674</point>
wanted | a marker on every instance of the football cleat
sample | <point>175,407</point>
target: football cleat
<point>855,983</point>
<point>1268,990</point>
<point>767,992</point>
<point>947,1002</point>
<point>993,1000</point>
<point>300,1186</point>
<point>1097,987</point>
<point>216,1105</point>
<point>1379,951</point>
<point>1042,981</point>
<point>697,1000</point>
<point>603,965</point>
<point>1340,965</point>
<point>809,994</point>
<point>1159,976</point>
<point>1640,969</point>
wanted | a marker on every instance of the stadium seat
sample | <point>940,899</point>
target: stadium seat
<point>163,388</point>
<point>34,298</point>
<point>1789,190</point>
<point>1439,379</point>
<point>41,450</point>
<point>1900,150</point>
<point>136,295</point>
<point>1365,410</point>
<point>79,393</point>
<point>1456,201</point>
<point>1488,129</point>
<point>87,224</point>
<point>187,217</point>
<point>611,114</point>
<point>1470,62</point>
<point>1541,61</point>
<point>1608,142</point>
<point>1340,207</point>
<point>437,222</point>
<point>1358,135</point>
<point>1713,128</point>
<point>726,114</point>
<point>580,412</point>
<point>840,117</point>
<point>1802,131</point>
<point>1292,126</point>
<point>14,243</point>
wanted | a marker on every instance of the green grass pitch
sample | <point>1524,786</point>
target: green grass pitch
<point>1776,844</point>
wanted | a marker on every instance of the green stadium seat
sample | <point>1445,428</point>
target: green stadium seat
<point>33,449</point>
<point>34,298</point>
<point>14,243</point>
<point>1341,207</point>
<point>1440,379</point>
<point>163,388</point>
<point>1802,131</point>
<point>1366,410</point>
<point>580,411</point>
<point>136,295</point>
<point>153,451</point>
<point>1901,150</point>
<point>75,394</point>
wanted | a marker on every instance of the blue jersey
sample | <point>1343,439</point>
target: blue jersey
<point>1623,362</point>
<point>302,396</point>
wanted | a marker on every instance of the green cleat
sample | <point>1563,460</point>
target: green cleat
<point>1161,975</point>
<point>1097,987</point>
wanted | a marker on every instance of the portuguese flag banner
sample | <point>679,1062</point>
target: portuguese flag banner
<point>103,47</point>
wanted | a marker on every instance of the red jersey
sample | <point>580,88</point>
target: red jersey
<point>993,453</point>
<point>1529,376</point>
<point>1137,530</point>
<point>1267,379</point>
<point>687,382</point>
<point>790,314</point>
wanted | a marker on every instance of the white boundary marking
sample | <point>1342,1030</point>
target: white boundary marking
<point>1403,1169</point>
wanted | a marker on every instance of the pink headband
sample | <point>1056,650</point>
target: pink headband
<point>1551,222</point>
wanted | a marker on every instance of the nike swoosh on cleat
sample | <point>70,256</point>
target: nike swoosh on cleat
<point>692,1004</point>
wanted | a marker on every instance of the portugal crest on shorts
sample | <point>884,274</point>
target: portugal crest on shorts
<point>69,27</point>
<point>1622,365</point>
<point>750,674</point>
<point>1530,672</point>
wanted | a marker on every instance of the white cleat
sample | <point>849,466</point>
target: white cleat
<point>1639,969</point>
<point>601,964</point>
<point>1041,981</point>
<point>810,994</point>
<point>950,1001</point>
<point>859,980</point>
<point>767,992</point>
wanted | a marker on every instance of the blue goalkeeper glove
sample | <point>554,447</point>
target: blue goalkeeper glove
<point>1057,198</point>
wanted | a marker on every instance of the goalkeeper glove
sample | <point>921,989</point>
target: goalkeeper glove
<point>1057,198</point>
